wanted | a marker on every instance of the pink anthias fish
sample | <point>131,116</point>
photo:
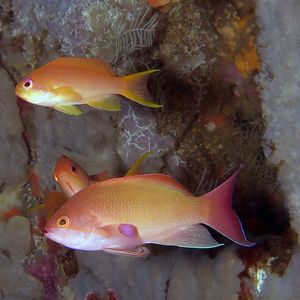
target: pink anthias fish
<point>121,215</point>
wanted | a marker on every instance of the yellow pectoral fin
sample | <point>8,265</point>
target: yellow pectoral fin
<point>111,103</point>
<point>134,169</point>
<point>68,109</point>
<point>67,94</point>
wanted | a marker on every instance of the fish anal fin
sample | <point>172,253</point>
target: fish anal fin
<point>110,103</point>
<point>140,251</point>
<point>67,94</point>
<point>194,236</point>
<point>68,109</point>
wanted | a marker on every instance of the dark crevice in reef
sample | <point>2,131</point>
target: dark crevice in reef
<point>167,289</point>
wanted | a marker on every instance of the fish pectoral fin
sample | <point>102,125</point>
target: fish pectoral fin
<point>109,103</point>
<point>67,93</point>
<point>134,169</point>
<point>127,231</point>
<point>139,251</point>
<point>121,235</point>
<point>195,236</point>
<point>68,109</point>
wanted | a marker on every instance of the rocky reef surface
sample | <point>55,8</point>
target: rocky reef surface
<point>228,85</point>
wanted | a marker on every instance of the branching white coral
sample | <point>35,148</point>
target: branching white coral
<point>139,134</point>
<point>138,34</point>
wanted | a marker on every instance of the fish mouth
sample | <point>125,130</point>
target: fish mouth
<point>64,179</point>
<point>62,240</point>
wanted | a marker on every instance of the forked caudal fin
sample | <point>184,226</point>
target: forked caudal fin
<point>136,88</point>
<point>220,215</point>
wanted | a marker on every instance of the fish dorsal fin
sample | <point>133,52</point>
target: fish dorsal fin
<point>155,178</point>
<point>80,62</point>
<point>163,179</point>
<point>195,236</point>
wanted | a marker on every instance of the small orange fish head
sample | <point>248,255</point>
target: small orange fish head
<point>33,90</point>
<point>69,228</point>
<point>158,3</point>
<point>70,176</point>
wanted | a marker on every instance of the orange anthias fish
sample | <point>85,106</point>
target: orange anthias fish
<point>159,3</point>
<point>72,178</point>
<point>69,81</point>
<point>120,215</point>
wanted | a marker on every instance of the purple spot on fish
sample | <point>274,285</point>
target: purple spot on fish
<point>127,230</point>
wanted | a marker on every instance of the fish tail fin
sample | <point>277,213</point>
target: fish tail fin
<point>136,88</point>
<point>220,215</point>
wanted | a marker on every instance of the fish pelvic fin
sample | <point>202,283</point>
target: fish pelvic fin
<point>140,251</point>
<point>136,88</point>
<point>194,236</point>
<point>219,215</point>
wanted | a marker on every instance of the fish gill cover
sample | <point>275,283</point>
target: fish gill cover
<point>211,121</point>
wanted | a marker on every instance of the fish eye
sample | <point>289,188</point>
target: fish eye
<point>27,83</point>
<point>62,221</point>
<point>74,168</point>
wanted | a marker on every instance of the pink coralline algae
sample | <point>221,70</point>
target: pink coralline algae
<point>44,270</point>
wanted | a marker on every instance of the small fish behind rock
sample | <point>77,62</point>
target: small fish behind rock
<point>72,178</point>
<point>69,81</point>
